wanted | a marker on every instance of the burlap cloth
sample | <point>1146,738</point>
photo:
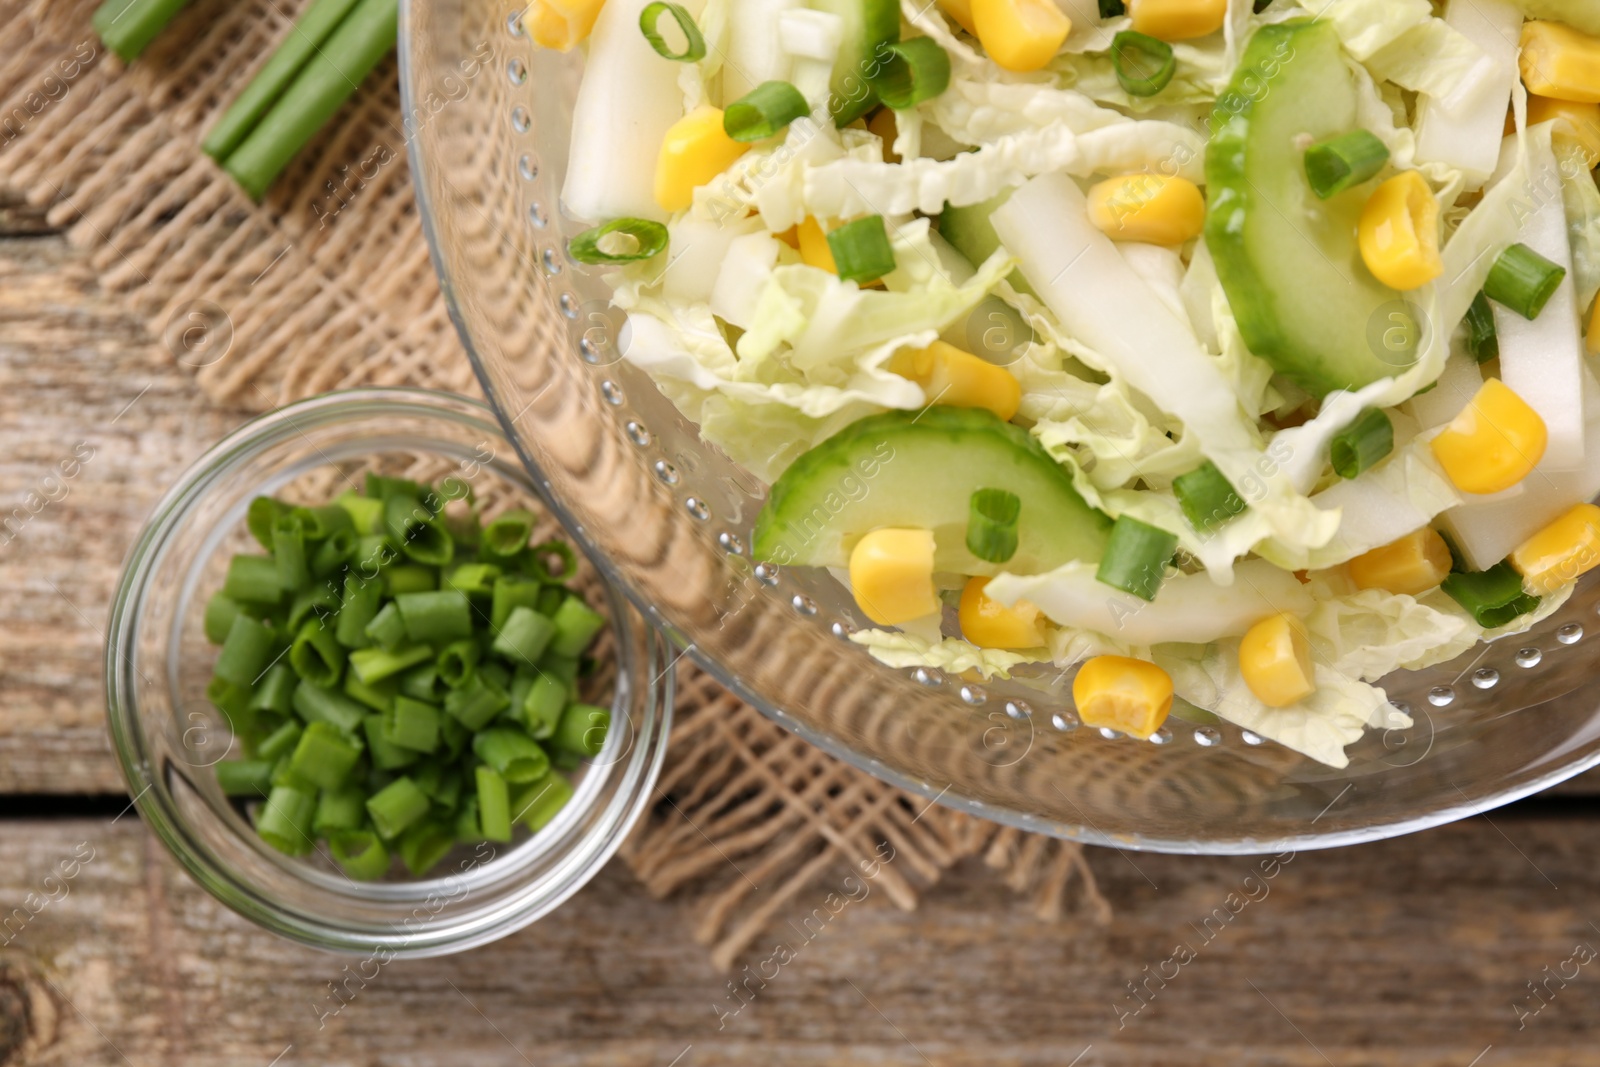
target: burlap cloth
<point>328,285</point>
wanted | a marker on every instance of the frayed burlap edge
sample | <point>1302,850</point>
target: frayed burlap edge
<point>328,285</point>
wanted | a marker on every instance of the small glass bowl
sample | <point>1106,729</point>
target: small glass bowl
<point>168,736</point>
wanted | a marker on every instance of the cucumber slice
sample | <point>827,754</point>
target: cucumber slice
<point>868,25</point>
<point>920,469</point>
<point>1290,263</point>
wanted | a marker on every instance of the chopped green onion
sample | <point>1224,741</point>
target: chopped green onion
<point>360,853</point>
<point>324,757</point>
<point>1144,65</point>
<point>542,706</point>
<point>275,691</point>
<point>356,609</point>
<point>551,597</point>
<point>343,808</point>
<point>315,704</point>
<point>245,777</point>
<point>1136,557</point>
<point>317,602</point>
<point>316,655</point>
<point>382,487</point>
<point>321,523</point>
<point>442,783</point>
<point>535,804</point>
<point>372,665</point>
<point>234,703</point>
<point>861,250</point>
<point>340,548</point>
<point>476,580</point>
<point>619,241</point>
<point>418,682</point>
<point>410,578</point>
<point>378,697</point>
<point>1523,281</point>
<point>284,821</point>
<point>458,660</point>
<point>397,806</point>
<point>1344,162</point>
<point>513,753</point>
<point>507,535</point>
<point>412,724</point>
<point>576,625</point>
<point>425,844</point>
<point>1494,597</point>
<point>1360,446</point>
<point>1110,9</point>
<point>221,610</point>
<point>386,755</point>
<point>582,730</point>
<point>909,72</point>
<point>1207,497</point>
<point>289,551</point>
<point>467,825</point>
<point>694,48</point>
<point>992,524</point>
<point>253,580</point>
<point>387,629</point>
<point>765,110</point>
<point>280,742</point>
<point>261,516</point>
<point>524,636</point>
<point>366,514</point>
<point>562,668</point>
<point>1483,338</point>
<point>510,594</point>
<point>537,562</point>
<point>477,702</point>
<point>247,652</point>
<point>494,805</point>
<point>421,534</point>
<point>437,617</point>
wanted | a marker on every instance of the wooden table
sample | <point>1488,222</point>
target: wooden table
<point>1421,952</point>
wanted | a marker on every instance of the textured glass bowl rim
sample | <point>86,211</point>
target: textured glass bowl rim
<point>535,899</point>
<point>1242,846</point>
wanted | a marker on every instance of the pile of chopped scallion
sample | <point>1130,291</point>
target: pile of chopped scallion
<point>400,679</point>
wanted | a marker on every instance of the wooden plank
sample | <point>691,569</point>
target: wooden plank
<point>1413,953</point>
<point>85,390</point>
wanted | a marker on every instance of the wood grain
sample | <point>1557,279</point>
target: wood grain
<point>1404,953</point>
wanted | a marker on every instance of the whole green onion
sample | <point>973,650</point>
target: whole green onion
<point>694,48</point>
<point>619,241</point>
<point>992,524</point>
<point>861,250</point>
<point>1523,281</point>
<point>284,820</point>
<point>764,112</point>
<point>1136,557</point>
<point>1144,65</point>
<point>909,72</point>
<point>128,26</point>
<point>1207,497</point>
<point>1483,337</point>
<point>1362,444</point>
<point>360,853</point>
<point>1345,161</point>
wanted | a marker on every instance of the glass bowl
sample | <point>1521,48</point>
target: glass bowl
<point>667,517</point>
<point>167,735</point>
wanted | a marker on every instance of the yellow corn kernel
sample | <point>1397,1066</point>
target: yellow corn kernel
<point>1560,62</point>
<point>1577,124</point>
<point>883,125</point>
<point>1124,694</point>
<point>1275,660</point>
<point>1494,442</point>
<point>988,623</point>
<point>1178,20</point>
<point>1417,562</point>
<point>561,24</point>
<point>960,11</point>
<point>1561,553</point>
<point>1020,35</point>
<point>814,250</point>
<point>695,150</point>
<point>1399,232</point>
<point>1153,208</point>
<point>891,575</point>
<point>957,379</point>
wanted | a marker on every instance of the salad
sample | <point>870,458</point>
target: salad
<point>1232,353</point>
